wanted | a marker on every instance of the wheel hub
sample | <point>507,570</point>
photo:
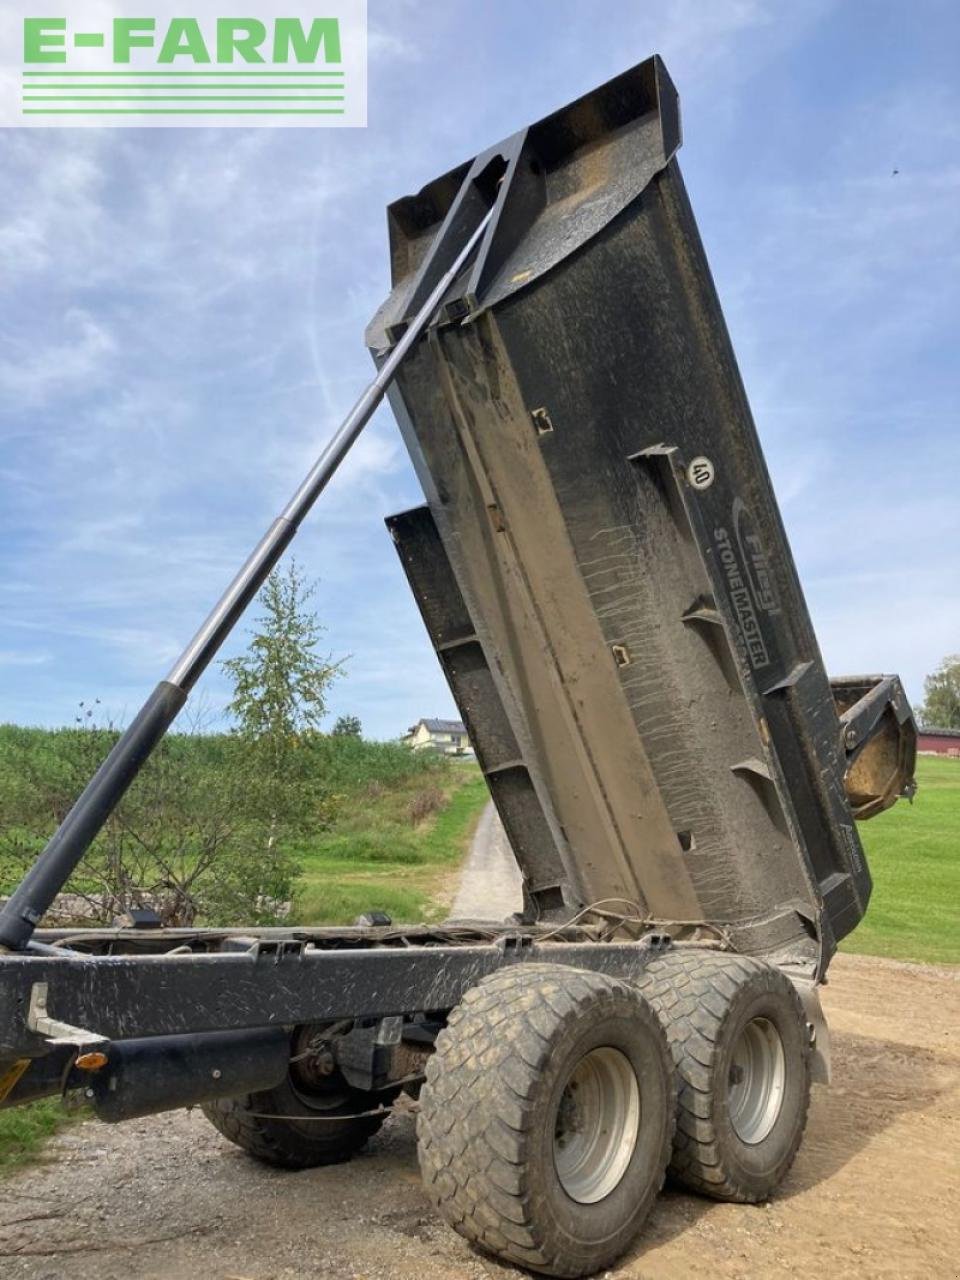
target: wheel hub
<point>756,1081</point>
<point>596,1126</point>
<point>314,1076</point>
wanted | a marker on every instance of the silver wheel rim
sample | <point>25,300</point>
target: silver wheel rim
<point>755,1086</point>
<point>596,1127</point>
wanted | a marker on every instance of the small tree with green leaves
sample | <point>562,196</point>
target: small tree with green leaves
<point>941,696</point>
<point>348,727</point>
<point>280,688</point>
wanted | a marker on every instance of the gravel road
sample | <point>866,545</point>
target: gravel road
<point>490,883</point>
<point>874,1191</point>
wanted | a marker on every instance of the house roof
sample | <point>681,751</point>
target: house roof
<point>444,726</point>
<point>939,733</point>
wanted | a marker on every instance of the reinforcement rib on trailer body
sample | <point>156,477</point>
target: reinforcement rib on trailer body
<point>633,653</point>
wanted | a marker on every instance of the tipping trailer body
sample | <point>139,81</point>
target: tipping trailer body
<point>605,578</point>
<point>601,565</point>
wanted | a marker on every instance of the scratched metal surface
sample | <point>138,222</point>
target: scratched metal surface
<point>649,644</point>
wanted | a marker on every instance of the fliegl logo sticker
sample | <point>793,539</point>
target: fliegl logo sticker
<point>750,583</point>
<point>181,64</point>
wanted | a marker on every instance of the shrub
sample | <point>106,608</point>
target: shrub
<point>424,803</point>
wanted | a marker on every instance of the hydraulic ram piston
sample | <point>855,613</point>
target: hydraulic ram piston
<point>35,894</point>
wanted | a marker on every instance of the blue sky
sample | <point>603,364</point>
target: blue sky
<point>182,316</point>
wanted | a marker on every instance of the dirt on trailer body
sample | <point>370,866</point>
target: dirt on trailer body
<point>873,1192</point>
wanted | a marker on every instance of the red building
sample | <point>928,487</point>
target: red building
<point>939,742</point>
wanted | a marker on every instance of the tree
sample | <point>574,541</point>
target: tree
<point>280,688</point>
<point>941,696</point>
<point>204,831</point>
<point>348,727</point>
<point>280,684</point>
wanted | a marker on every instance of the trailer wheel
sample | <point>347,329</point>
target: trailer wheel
<point>546,1117</point>
<point>739,1039</point>
<point>312,1118</point>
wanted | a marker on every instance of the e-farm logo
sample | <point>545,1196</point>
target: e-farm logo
<point>294,66</point>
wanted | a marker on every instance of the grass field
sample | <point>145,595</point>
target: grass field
<point>397,850</point>
<point>914,856</point>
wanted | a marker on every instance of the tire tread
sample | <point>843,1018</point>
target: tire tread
<point>500,1034</point>
<point>242,1121</point>
<point>692,991</point>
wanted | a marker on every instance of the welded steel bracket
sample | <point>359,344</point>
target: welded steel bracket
<point>635,118</point>
<point>55,1032</point>
<point>879,739</point>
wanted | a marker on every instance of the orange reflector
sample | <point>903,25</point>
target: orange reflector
<point>91,1061</point>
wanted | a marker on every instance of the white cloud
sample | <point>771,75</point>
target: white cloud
<point>22,658</point>
<point>183,315</point>
<point>79,358</point>
<point>52,207</point>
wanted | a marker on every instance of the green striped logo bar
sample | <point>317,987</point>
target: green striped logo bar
<point>294,63</point>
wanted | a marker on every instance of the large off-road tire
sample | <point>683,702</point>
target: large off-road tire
<point>546,1118</point>
<point>740,1043</point>
<point>305,1121</point>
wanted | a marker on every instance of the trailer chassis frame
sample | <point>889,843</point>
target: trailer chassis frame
<point>280,978</point>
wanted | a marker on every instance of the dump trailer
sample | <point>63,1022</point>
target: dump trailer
<point>603,573</point>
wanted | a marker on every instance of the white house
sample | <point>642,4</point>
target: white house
<point>446,736</point>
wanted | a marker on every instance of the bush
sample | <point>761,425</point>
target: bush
<point>424,803</point>
<point>185,840</point>
<point>193,837</point>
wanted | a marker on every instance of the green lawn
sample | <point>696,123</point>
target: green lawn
<point>914,856</point>
<point>397,850</point>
